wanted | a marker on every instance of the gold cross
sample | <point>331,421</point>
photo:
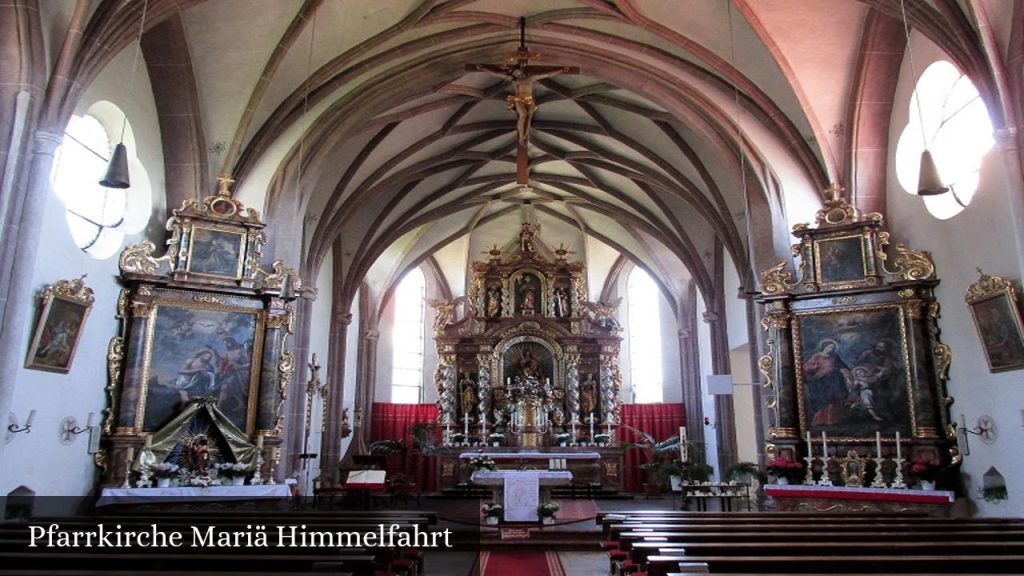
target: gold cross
<point>224,182</point>
<point>833,192</point>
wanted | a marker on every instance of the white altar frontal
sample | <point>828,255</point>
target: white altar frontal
<point>521,489</point>
<point>180,494</point>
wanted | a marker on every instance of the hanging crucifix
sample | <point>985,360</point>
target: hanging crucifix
<point>522,76</point>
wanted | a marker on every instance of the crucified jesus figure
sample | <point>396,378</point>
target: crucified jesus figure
<point>522,101</point>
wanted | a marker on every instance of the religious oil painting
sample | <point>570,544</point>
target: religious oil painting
<point>852,371</point>
<point>57,333</point>
<point>999,326</point>
<point>202,351</point>
<point>840,259</point>
<point>216,252</point>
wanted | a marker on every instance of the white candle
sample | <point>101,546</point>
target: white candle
<point>878,444</point>
<point>824,446</point>
<point>88,422</point>
<point>591,420</point>
<point>131,453</point>
<point>810,454</point>
<point>147,440</point>
<point>259,441</point>
<point>684,456</point>
<point>31,417</point>
<point>897,446</point>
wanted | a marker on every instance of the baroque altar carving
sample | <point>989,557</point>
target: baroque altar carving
<point>852,346</point>
<point>530,356</point>
<point>202,325</point>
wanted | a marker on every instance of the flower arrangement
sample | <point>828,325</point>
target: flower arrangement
<point>231,469</point>
<point>922,468</point>
<point>456,437</point>
<point>547,509</point>
<point>482,463</point>
<point>783,467</point>
<point>496,436</point>
<point>492,509</point>
<point>602,438</point>
<point>562,437</point>
<point>165,469</point>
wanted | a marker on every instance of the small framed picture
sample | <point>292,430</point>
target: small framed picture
<point>840,259</point>
<point>216,252</point>
<point>65,306</point>
<point>993,304</point>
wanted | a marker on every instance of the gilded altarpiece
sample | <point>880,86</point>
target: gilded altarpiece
<point>201,354</point>
<point>532,357</point>
<point>852,346</point>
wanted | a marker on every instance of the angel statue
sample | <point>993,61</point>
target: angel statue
<point>603,314</point>
<point>445,313</point>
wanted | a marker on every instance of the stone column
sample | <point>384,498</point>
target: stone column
<point>1008,141</point>
<point>690,369</point>
<point>725,416</point>
<point>330,444</point>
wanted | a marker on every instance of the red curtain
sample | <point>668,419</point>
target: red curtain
<point>394,422</point>
<point>660,421</point>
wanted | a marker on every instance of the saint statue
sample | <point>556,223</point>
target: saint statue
<point>468,386</point>
<point>560,302</point>
<point>527,295</point>
<point>588,395</point>
<point>493,301</point>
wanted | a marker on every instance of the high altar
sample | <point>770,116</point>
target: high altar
<point>527,355</point>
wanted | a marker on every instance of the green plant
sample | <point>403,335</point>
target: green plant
<point>994,493</point>
<point>492,509</point>
<point>547,509</point>
<point>744,471</point>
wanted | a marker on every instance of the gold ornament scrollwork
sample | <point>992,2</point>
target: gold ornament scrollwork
<point>285,370</point>
<point>988,286</point>
<point>139,259</point>
<point>908,264</point>
<point>115,363</point>
<point>776,280</point>
<point>943,358</point>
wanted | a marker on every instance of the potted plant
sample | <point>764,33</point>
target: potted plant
<point>784,470</point>
<point>925,471</point>
<point>656,459</point>
<point>744,472</point>
<point>482,463</point>
<point>602,439</point>
<point>456,438</point>
<point>492,512</point>
<point>496,438</point>
<point>546,511</point>
<point>164,472</point>
<point>562,438</point>
<point>235,472</point>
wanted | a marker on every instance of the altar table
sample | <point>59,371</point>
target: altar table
<point>859,499</point>
<point>521,489</point>
<point>192,494</point>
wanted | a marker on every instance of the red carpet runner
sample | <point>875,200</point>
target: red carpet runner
<point>520,563</point>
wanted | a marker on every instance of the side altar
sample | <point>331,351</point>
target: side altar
<point>524,358</point>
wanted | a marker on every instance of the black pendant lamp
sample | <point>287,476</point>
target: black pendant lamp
<point>117,167</point>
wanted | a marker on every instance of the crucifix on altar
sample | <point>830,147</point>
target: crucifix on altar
<point>522,75</point>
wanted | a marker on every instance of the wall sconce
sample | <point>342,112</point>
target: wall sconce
<point>985,429</point>
<point>69,429</point>
<point>13,427</point>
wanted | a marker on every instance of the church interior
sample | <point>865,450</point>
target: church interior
<point>597,286</point>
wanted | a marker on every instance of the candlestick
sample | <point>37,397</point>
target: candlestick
<point>591,420</point>
<point>878,445</point>
<point>465,426</point>
<point>897,448</point>
<point>684,455</point>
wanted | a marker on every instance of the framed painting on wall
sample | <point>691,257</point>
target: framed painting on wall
<point>201,349</point>
<point>993,304</point>
<point>852,371</point>
<point>65,306</point>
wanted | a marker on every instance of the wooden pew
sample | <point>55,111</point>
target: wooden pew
<point>663,565</point>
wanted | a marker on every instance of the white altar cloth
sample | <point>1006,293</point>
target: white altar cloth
<point>521,489</point>
<point>532,455</point>
<point>192,493</point>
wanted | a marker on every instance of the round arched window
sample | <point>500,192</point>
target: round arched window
<point>97,217</point>
<point>954,124</point>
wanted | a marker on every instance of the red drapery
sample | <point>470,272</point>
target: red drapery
<point>394,422</point>
<point>660,421</point>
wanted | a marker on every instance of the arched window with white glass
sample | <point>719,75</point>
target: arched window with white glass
<point>644,333</point>
<point>408,339</point>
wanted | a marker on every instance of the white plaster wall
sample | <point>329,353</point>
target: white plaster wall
<point>979,237</point>
<point>382,387</point>
<point>38,460</point>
